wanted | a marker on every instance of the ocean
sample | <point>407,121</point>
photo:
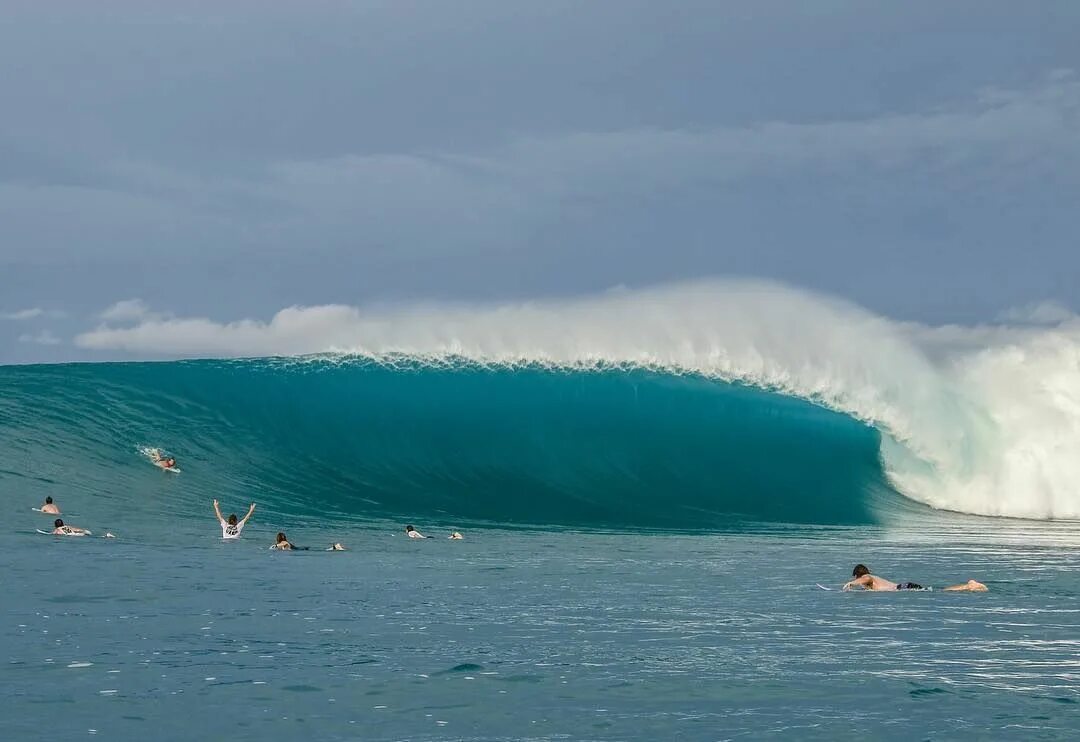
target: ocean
<point>642,551</point>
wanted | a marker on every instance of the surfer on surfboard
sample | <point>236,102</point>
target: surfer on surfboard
<point>413,533</point>
<point>50,507</point>
<point>59,529</point>
<point>863,579</point>
<point>165,462</point>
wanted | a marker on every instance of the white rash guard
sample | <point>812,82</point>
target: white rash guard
<point>229,530</point>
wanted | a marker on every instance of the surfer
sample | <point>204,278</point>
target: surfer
<point>59,529</point>
<point>413,533</point>
<point>283,544</point>
<point>867,581</point>
<point>231,528</point>
<point>50,507</point>
<point>456,536</point>
<point>336,547</point>
<point>165,462</point>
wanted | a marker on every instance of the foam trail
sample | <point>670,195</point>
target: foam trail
<point>987,419</point>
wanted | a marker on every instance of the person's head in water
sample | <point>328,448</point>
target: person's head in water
<point>281,537</point>
<point>58,523</point>
<point>170,461</point>
<point>859,571</point>
<point>232,519</point>
<point>48,501</point>
<point>409,529</point>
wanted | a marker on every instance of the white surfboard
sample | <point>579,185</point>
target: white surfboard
<point>50,533</point>
<point>824,588</point>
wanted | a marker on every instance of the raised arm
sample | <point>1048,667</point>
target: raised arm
<point>217,512</point>
<point>250,511</point>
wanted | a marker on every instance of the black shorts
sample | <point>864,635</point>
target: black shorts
<point>909,586</point>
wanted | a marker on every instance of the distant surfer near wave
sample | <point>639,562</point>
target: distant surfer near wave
<point>413,533</point>
<point>165,462</point>
<point>231,528</point>
<point>50,507</point>
<point>336,547</point>
<point>867,581</point>
<point>59,529</point>
<point>456,536</point>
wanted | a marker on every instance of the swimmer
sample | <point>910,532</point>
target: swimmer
<point>59,529</point>
<point>413,533</point>
<point>456,536</point>
<point>50,507</point>
<point>282,543</point>
<point>336,547</point>
<point>867,581</point>
<point>231,528</point>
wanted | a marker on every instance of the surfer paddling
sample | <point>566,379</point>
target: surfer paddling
<point>283,544</point>
<point>863,579</point>
<point>413,533</point>
<point>165,462</point>
<point>231,527</point>
<point>59,529</point>
<point>50,507</point>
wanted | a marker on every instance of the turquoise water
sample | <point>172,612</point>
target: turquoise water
<point>640,562</point>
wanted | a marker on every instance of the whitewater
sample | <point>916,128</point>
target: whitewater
<point>982,420</point>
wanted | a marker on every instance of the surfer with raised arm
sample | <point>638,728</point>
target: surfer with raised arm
<point>59,529</point>
<point>413,533</point>
<point>50,507</point>
<point>862,578</point>
<point>230,528</point>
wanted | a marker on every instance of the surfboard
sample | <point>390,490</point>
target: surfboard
<point>50,533</point>
<point>824,588</point>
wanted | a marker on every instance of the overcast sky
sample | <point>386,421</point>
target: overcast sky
<point>226,160</point>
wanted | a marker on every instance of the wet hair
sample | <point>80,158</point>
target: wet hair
<point>409,528</point>
<point>48,501</point>
<point>58,523</point>
<point>232,519</point>
<point>281,537</point>
<point>859,571</point>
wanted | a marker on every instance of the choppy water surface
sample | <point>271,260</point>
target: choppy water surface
<point>540,635</point>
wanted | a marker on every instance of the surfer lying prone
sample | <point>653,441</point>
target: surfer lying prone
<point>283,544</point>
<point>50,507</point>
<point>165,462</point>
<point>863,579</point>
<point>59,529</point>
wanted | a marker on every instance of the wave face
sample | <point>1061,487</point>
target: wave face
<point>453,443</point>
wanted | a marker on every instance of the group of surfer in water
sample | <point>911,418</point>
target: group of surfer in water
<point>231,527</point>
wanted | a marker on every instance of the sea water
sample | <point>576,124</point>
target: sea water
<point>540,635</point>
<point>640,561</point>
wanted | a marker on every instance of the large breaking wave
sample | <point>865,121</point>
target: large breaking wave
<point>682,406</point>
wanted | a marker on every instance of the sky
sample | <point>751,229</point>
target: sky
<point>220,162</point>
